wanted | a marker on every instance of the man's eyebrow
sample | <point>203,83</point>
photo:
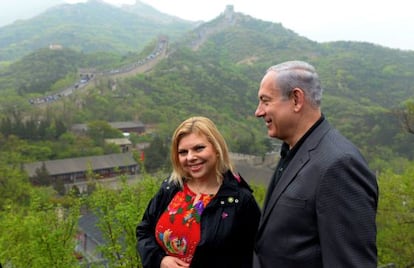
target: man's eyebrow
<point>264,97</point>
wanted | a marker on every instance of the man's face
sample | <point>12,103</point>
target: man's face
<point>275,110</point>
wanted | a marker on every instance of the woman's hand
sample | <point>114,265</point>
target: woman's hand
<point>173,262</point>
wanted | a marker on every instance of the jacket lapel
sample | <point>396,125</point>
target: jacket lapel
<point>299,160</point>
<point>288,176</point>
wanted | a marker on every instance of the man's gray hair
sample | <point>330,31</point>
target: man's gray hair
<point>298,74</point>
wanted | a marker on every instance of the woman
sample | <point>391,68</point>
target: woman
<point>204,215</point>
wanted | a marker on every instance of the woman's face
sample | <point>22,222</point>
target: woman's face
<point>197,156</point>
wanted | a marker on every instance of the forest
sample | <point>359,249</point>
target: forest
<point>212,69</point>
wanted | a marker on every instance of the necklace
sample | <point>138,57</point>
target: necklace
<point>199,191</point>
<point>205,188</point>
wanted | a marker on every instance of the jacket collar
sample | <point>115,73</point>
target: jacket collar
<point>231,183</point>
<point>296,164</point>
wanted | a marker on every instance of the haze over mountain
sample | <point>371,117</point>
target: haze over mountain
<point>93,63</point>
<point>91,26</point>
<point>384,23</point>
<point>212,69</point>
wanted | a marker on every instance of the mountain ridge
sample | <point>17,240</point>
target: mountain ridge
<point>76,26</point>
<point>214,68</point>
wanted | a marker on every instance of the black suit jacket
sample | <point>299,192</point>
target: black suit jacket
<point>322,212</point>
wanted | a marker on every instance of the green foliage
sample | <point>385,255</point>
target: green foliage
<point>64,82</point>
<point>119,211</point>
<point>90,27</point>
<point>32,128</point>
<point>40,71</point>
<point>100,130</point>
<point>407,115</point>
<point>70,145</point>
<point>396,217</point>
<point>217,78</point>
<point>14,186</point>
<point>42,177</point>
<point>144,138</point>
<point>37,227</point>
<point>156,155</point>
<point>259,192</point>
<point>40,235</point>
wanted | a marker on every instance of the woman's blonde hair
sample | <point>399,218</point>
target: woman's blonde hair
<point>201,126</point>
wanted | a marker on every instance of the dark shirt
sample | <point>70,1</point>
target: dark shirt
<point>287,155</point>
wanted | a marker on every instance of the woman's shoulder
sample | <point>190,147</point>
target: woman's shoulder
<point>237,187</point>
<point>166,188</point>
<point>169,185</point>
<point>237,182</point>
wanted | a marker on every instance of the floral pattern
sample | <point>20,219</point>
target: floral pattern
<point>178,229</point>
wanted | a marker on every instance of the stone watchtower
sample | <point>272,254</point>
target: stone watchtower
<point>229,12</point>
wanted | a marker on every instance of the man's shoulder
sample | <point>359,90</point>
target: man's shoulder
<point>328,135</point>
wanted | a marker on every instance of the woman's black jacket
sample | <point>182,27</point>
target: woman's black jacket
<point>228,226</point>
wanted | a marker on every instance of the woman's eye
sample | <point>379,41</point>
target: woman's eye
<point>182,153</point>
<point>199,148</point>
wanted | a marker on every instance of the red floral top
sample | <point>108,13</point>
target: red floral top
<point>178,229</point>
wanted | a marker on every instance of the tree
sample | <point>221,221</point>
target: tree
<point>41,177</point>
<point>156,155</point>
<point>396,217</point>
<point>119,211</point>
<point>100,130</point>
<point>407,116</point>
<point>14,185</point>
<point>40,235</point>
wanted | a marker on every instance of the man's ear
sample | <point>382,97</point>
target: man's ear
<point>298,98</point>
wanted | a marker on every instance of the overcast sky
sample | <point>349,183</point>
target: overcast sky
<point>386,23</point>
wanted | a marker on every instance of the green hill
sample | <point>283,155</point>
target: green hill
<point>89,27</point>
<point>214,70</point>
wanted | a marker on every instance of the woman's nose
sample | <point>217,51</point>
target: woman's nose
<point>191,155</point>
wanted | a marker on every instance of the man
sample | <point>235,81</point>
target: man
<point>321,203</point>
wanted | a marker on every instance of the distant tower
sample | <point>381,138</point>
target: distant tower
<point>55,47</point>
<point>228,12</point>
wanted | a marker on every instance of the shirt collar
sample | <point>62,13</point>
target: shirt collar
<point>284,150</point>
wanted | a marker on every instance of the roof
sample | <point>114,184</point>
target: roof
<point>127,124</point>
<point>117,125</point>
<point>119,141</point>
<point>80,164</point>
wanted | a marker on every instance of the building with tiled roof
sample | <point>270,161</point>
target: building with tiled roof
<point>73,171</point>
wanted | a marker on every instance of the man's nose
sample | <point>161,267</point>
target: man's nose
<point>258,112</point>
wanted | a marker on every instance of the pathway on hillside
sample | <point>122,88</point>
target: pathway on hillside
<point>205,32</point>
<point>144,65</point>
<point>87,76</point>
